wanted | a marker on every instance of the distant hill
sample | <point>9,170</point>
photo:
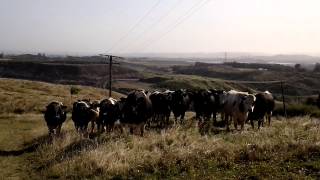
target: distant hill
<point>64,72</point>
<point>231,56</point>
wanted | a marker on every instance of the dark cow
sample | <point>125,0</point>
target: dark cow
<point>54,116</point>
<point>203,103</point>
<point>217,106</point>
<point>206,104</point>
<point>108,114</point>
<point>136,110</point>
<point>180,103</point>
<point>82,114</point>
<point>161,107</point>
<point>263,107</point>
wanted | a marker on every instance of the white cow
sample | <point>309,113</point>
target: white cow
<point>236,106</point>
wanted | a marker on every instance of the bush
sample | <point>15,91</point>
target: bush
<point>74,90</point>
<point>297,110</point>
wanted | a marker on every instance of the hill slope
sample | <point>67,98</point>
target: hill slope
<point>288,149</point>
<point>32,96</point>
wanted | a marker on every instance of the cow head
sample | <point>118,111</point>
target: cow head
<point>247,103</point>
<point>220,97</point>
<point>135,102</point>
<point>57,110</point>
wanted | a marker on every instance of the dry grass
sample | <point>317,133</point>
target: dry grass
<point>23,96</point>
<point>288,149</point>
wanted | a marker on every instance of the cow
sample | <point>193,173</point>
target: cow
<point>82,113</point>
<point>161,107</point>
<point>180,103</point>
<point>237,105</point>
<point>206,104</point>
<point>203,102</point>
<point>263,107</point>
<point>54,116</point>
<point>108,114</point>
<point>217,106</point>
<point>137,110</point>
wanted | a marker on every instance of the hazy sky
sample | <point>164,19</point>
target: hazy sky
<point>122,26</point>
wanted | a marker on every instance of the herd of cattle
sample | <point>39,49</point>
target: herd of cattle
<point>141,108</point>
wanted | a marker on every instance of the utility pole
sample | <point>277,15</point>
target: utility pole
<point>110,58</point>
<point>283,101</point>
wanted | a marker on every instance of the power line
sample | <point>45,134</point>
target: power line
<point>134,26</point>
<point>197,6</point>
<point>153,25</point>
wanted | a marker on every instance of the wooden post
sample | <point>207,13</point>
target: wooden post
<point>110,76</point>
<point>110,69</point>
<point>283,101</point>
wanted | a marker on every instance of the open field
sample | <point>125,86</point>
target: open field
<point>287,149</point>
<point>290,148</point>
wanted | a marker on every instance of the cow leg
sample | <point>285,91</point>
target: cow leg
<point>175,119</point>
<point>141,129</point>
<point>235,123</point>
<point>51,131</point>
<point>86,134</point>
<point>260,121</point>
<point>214,116</point>
<point>242,124</point>
<point>227,122</point>
<point>222,115</point>
<point>207,123</point>
<point>131,129</point>
<point>269,119</point>
<point>92,125</point>
<point>59,129</point>
<point>252,123</point>
<point>182,117</point>
<point>99,127</point>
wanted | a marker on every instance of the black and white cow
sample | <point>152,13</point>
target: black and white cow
<point>108,114</point>
<point>263,107</point>
<point>54,116</point>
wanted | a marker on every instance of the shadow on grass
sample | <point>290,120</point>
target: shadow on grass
<point>31,146</point>
<point>73,149</point>
<point>29,149</point>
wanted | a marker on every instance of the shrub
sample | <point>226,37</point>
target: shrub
<point>74,90</point>
<point>298,110</point>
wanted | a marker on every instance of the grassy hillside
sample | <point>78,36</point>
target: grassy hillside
<point>23,96</point>
<point>297,83</point>
<point>289,149</point>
